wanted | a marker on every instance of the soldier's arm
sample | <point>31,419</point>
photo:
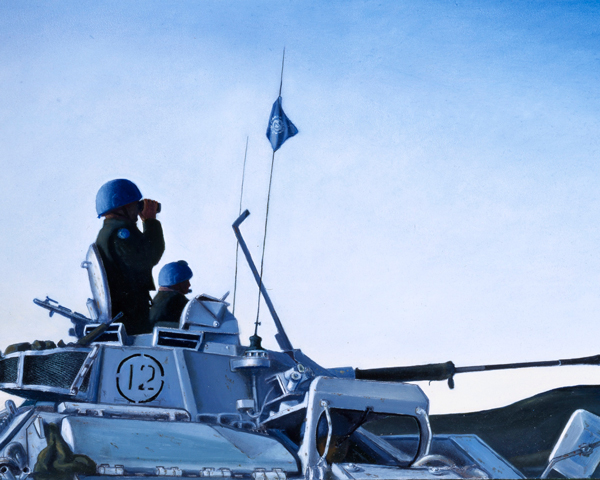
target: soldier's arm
<point>154,242</point>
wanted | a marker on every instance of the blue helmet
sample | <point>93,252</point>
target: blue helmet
<point>174,273</point>
<point>115,194</point>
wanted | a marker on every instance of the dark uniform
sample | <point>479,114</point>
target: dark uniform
<point>166,309</point>
<point>128,256</point>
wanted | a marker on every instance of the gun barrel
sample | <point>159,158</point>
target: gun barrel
<point>446,371</point>
<point>593,360</point>
<point>415,373</point>
<point>64,311</point>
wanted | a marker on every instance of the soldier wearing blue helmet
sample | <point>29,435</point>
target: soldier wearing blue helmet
<point>129,254</point>
<point>169,302</point>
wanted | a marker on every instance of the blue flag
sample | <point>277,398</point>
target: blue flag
<point>280,127</point>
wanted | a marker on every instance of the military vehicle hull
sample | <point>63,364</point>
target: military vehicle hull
<point>173,404</point>
<point>192,402</point>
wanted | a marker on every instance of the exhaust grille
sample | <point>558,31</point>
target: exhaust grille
<point>9,368</point>
<point>54,370</point>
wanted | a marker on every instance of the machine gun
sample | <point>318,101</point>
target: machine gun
<point>79,320</point>
<point>446,371</point>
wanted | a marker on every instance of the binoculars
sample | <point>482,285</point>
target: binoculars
<point>141,206</point>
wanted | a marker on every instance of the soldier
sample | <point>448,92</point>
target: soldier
<point>127,253</point>
<point>169,302</point>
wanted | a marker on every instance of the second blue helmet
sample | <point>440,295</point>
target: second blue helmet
<point>116,193</point>
<point>174,273</point>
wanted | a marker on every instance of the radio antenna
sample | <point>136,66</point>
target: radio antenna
<point>237,247</point>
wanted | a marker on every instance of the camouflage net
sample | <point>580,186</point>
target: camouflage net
<point>58,462</point>
<point>26,346</point>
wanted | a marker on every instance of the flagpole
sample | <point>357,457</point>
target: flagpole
<point>237,247</point>
<point>262,259</point>
<point>281,79</point>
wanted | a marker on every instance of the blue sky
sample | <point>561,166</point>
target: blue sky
<point>440,201</point>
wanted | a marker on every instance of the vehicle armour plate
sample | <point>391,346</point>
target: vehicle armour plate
<point>140,378</point>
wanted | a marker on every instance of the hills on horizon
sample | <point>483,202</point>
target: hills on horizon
<point>524,432</point>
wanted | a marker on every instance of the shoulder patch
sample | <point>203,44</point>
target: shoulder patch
<point>123,233</point>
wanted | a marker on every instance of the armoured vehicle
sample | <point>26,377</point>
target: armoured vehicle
<point>194,402</point>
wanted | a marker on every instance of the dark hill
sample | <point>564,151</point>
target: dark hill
<point>525,432</point>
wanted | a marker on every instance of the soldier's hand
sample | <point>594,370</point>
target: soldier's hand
<point>150,209</point>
